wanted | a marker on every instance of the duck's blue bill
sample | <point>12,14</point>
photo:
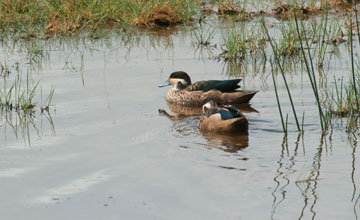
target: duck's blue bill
<point>166,83</point>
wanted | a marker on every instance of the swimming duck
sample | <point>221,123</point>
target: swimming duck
<point>224,91</point>
<point>226,118</point>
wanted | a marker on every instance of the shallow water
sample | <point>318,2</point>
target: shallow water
<point>107,152</point>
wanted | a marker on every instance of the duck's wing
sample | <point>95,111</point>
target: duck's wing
<point>221,85</point>
<point>229,112</point>
<point>224,113</point>
<point>225,85</point>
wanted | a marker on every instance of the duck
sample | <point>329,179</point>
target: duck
<point>186,93</point>
<point>223,118</point>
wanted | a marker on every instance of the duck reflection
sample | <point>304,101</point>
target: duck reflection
<point>231,143</point>
<point>181,111</point>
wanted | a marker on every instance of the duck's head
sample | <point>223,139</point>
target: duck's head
<point>208,105</point>
<point>179,80</point>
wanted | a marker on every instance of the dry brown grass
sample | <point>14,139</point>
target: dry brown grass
<point>162,16</point>
<point>286,11</point>
<point>229,9</point>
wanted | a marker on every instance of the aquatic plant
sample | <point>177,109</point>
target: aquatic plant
<point>239,44</point>
<point>235,46</point>
<point>277,59</point>
<point>46,104</point>
<point>288,45</point>
<point>283,124</point>
<point>19,96</point>
<point>311,73</point>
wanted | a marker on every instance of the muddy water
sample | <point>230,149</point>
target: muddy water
<point>107,152</point>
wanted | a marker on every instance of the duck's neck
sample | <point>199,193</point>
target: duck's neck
<point>180,85</point>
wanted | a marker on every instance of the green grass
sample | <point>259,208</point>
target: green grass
<point>19,96</point>
<point>288,44</point>
<point>239,45</point>
<point>307,58</point>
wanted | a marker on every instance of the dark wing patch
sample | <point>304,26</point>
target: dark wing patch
<point>227,85</point>
<point>221,85</point>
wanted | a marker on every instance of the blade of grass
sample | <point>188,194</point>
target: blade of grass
<point>278,102</point>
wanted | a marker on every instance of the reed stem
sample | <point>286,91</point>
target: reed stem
<point>311,73</point>
<point>283,74</point>
<point>353,68</point>
<point>278,101</point>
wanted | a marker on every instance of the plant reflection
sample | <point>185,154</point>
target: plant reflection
<point>23,125</point>
<point>308,187</point>
<point>284,170</point>
<point>353,141</point>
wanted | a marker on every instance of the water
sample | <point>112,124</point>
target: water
<point>105,151</point>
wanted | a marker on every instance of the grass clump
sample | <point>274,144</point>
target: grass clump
<point>229,9</point>
<point>288,44</point>
<point>20,96</point>
<point>285,11</point>
<point>239,45</point>
<point>160,15</point>
<point>235,47</point>
<point>347,105</point>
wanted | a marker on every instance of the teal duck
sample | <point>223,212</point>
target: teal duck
<point>223,91</point>
<point>225,118</point>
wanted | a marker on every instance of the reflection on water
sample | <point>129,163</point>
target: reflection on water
<point>231,143</point>
<point>181,111</point>
<point>23,125</point>
<point>309,186</point>
<point>284,170</point>
<point>353,142</point>
<point>306,179</point>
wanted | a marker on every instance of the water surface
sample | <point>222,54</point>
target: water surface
<point>105,152</point>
